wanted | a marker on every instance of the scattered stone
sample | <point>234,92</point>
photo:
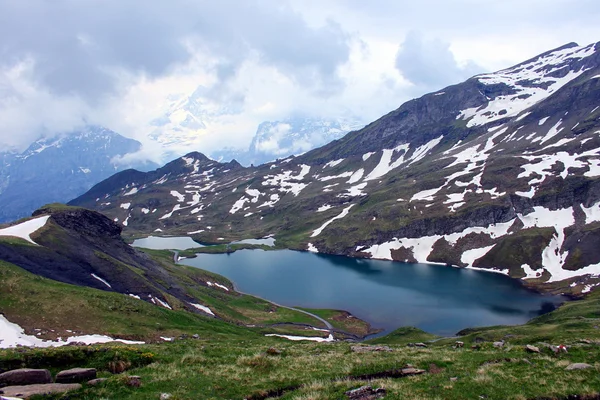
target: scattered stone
<point>97,381</point>
<point>195,336</point>
<point>499,344</point>
<point>586,341</point>
<point>458,344</point>
<point>165,396</point>
<point>116,367</point>
<point>39,389</point>
<point>134,381</point>
<point>526,361</point>
<point>420,345</point>
<point>476,347</point>
<point>76,375</point>
<point>532,349</point>
<point>577,366</point>
<point>365,349</point>
<point>454,379</point>
<point>25,376</point>
<point>365,393</point>
<point>272,351</point>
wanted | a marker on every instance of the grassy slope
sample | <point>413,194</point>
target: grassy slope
<point>236,365</point>
<point>35,302</point>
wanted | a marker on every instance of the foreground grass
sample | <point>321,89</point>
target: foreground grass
<point>231,366</point>
<point>217,369</point>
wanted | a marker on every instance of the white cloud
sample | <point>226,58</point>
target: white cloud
<point>116,63</point>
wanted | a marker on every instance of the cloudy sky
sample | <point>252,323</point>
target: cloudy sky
<point>126,64</point>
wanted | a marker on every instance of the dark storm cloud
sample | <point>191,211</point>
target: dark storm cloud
<point>430,64</point>
<point>79,45</point>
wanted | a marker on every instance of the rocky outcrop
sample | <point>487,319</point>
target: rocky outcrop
<point>76,375</point>
<point>25,376</point>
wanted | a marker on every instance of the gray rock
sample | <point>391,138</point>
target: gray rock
<point>366,349</point>
<point>96,381</point>
<point>134,381</point>
<point>410,370</point>
<point>577,366</point>
<point>272,351</point>
<point>420,345</point>
<point>25,376</point>
<point>39,389</point>
<point>76,375</point>
<point>499,344</point>
<point>365,393</point>
<point>532,349</point>
<point>165,396</point>
<point>195,336</point>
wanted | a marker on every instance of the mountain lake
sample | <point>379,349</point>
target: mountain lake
<point>435,298</point>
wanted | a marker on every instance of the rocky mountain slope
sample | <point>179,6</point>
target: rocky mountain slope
<point>498,172</point>
<point>58,169</point>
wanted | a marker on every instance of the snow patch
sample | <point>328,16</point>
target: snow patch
<point>25,229</point>
<point>12,335</point>
<point>203,308</point>
<point>295,338</point>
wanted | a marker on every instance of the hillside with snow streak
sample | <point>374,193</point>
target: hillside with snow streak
<point>500,172</point>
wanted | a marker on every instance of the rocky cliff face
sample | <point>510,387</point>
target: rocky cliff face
<point>498,172</point>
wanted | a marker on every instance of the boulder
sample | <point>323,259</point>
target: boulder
<point>25,376</point>
<point>499,344</point>
<point>577,366</point>
<point>76,375</point>
<point>27,391</point>
<point>532,349</point>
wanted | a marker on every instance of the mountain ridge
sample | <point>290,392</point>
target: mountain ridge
<point>58,168</point>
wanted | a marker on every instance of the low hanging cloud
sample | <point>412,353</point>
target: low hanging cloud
<point>429,64</point>
<point>83,54</point>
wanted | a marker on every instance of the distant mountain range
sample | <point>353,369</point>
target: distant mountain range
<point>185,120</point>
<point>60,168</point>
<point>294,136</point>
<point>500,172</point>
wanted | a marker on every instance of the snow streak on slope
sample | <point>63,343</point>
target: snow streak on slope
<point>318,231</point>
